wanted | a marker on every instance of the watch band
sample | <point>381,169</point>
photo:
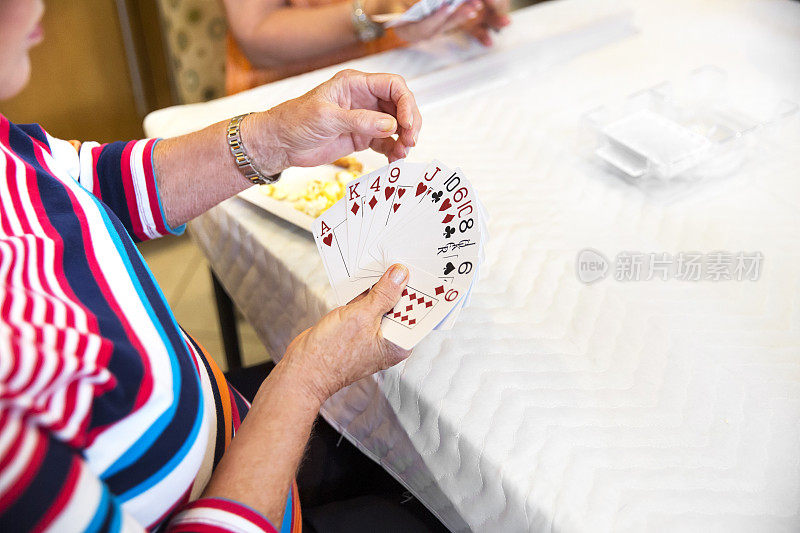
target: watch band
<point>243,160</point>
<point>366,29</point>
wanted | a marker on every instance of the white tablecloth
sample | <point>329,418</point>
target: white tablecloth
<point>553,405</point>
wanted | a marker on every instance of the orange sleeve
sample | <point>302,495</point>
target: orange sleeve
<point>241,75</point>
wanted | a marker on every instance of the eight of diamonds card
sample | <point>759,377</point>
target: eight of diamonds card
<point>424,215</point>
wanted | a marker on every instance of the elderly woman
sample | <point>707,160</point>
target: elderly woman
<point>273,39</point>
<point>111,416</point>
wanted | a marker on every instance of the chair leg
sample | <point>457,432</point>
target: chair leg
<point>227,324</point>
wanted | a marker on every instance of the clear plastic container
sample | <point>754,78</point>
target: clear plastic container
<point>676,135</point>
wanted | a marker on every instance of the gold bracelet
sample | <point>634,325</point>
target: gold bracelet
<point>243,160</point>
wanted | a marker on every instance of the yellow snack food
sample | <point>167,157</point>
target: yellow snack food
<point>350,163</point>
<point>317,195</point>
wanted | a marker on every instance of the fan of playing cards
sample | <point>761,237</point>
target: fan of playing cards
<point>425,216</point>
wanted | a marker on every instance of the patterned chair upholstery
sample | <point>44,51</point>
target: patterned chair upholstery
<point>194,37</point>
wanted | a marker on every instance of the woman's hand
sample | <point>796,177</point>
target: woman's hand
<point>441,21</point>
<point>348,113</point>
<point>492,16</point>
<point>347,345</point>
<point>476,17</point>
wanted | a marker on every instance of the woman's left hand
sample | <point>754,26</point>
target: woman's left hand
<point>348,113</point>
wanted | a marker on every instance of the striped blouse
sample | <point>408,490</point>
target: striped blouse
<point>111,417</point>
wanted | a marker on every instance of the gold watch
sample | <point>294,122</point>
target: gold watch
<point>243,160</point>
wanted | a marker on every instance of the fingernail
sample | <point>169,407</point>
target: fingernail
<point>416,135</point>
<point>471,15</point>
<point>410,122</point>
<point>398,274</point>
<point>384,124</point>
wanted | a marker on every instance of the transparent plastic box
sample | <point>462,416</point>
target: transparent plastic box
<point>676,135</point>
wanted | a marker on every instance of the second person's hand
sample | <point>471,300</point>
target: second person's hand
<point>493,16</point>
<point>442,21</point>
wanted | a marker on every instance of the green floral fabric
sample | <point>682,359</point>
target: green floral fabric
<point>194,34</point>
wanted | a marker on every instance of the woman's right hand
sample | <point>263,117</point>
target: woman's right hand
<point>346,344</point>
<point>441,21</point>
<point>493,17</point>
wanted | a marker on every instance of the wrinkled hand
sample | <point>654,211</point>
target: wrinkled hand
<point>347,345</point>
<point>348,113</point>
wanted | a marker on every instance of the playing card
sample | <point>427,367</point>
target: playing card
<point>363,197</point>
<point>449,321</point>
<point>377,196</point>
<point>384,192</point>
<point>421,180</point>
<point>417,184</point>
<point>330,234</point>
<point>423,304</point>
<point>452,316</point>
<point>354,205</point>
<point>401,179</point>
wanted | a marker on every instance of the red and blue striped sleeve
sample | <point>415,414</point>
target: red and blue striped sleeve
<point>122,175</point>
<point>218,515</point>
<point>45,484</point>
